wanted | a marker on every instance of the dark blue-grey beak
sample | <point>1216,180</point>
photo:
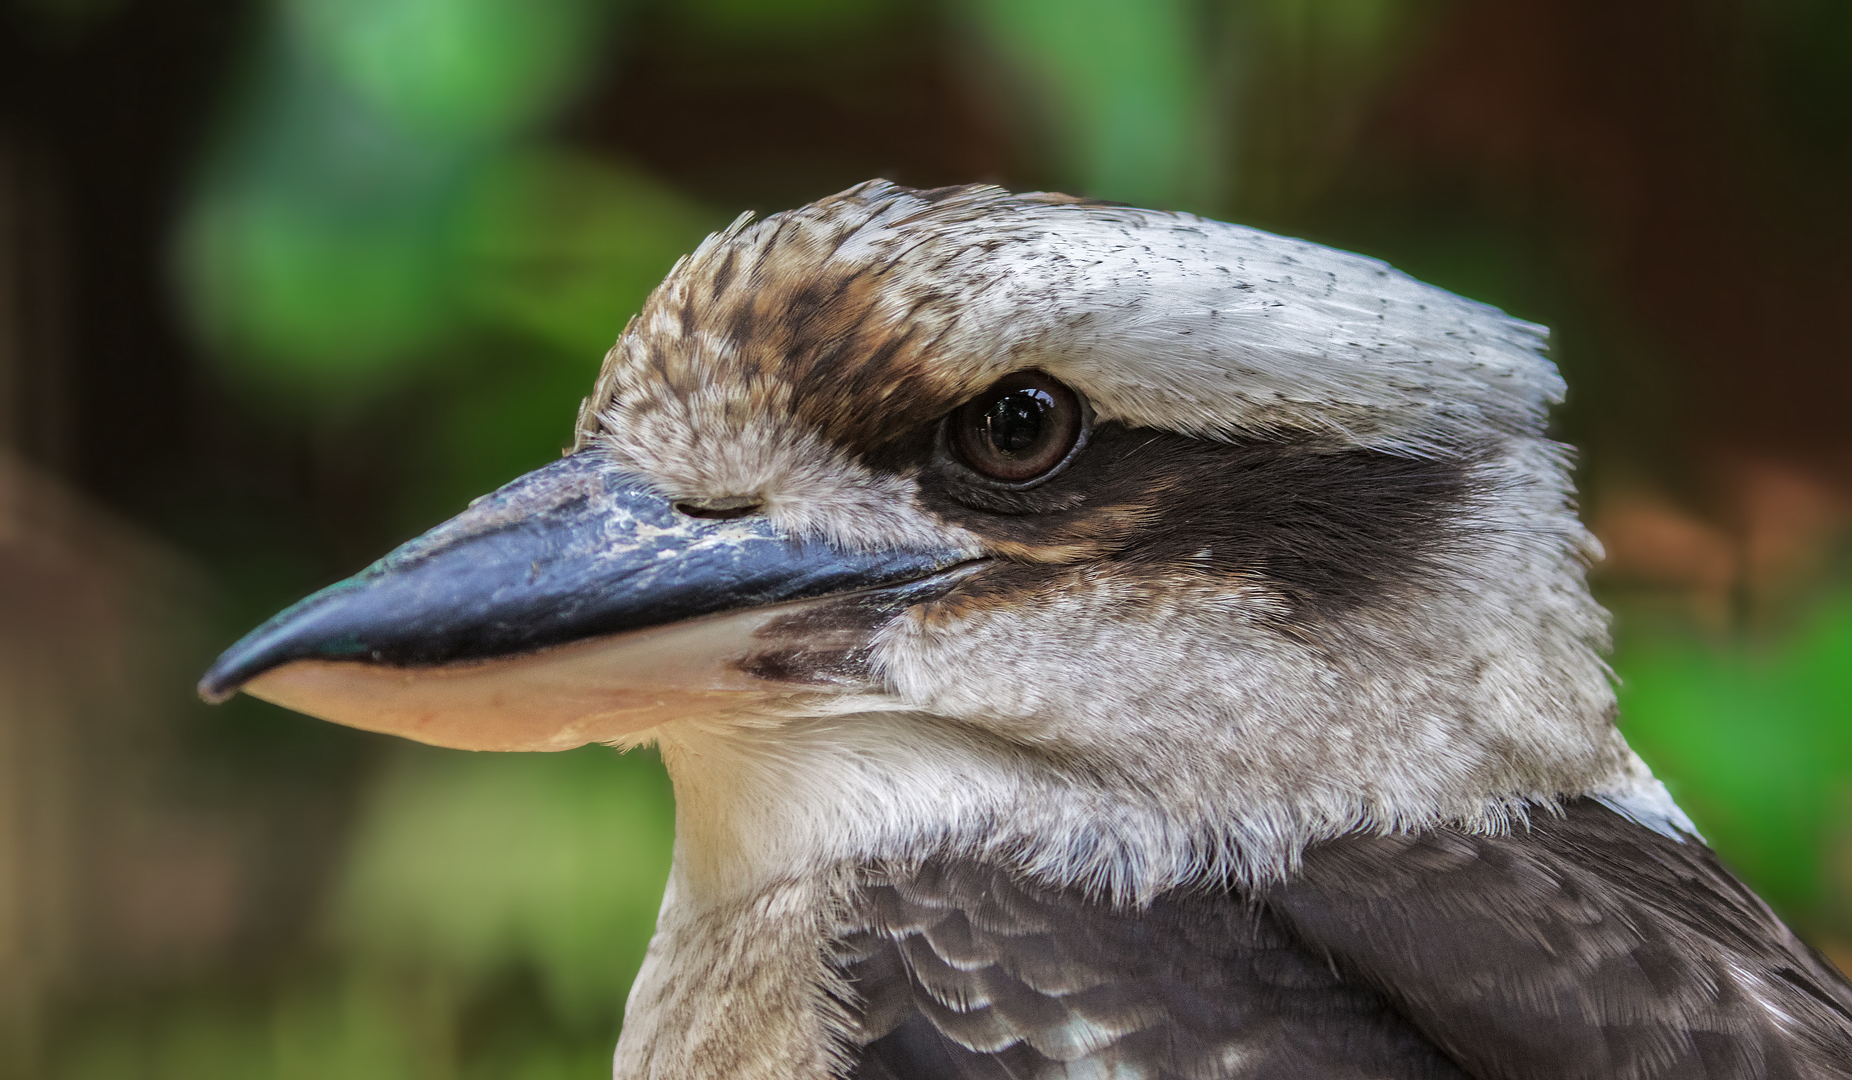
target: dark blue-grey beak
<point>573,551</point>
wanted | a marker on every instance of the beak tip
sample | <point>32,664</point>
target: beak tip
<point>300,632</point>
<point>212,694</point>
<point>269,646</point>
<point>225,677</point>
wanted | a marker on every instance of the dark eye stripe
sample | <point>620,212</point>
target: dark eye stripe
<point>1330,527</point>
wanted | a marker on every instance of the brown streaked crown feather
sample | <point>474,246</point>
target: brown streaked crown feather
<point>821,304</point>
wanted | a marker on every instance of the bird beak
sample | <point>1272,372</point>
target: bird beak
<point>574,605</point>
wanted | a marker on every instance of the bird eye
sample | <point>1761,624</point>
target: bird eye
<point>1024,426</point>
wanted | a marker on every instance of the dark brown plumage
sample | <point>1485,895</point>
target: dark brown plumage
<point>1580,947</point>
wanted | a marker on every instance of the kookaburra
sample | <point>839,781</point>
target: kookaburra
<point>1085,642</point>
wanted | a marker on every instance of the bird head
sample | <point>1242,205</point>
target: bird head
<point>1123,545</point>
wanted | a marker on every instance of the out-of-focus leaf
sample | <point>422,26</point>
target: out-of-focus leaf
<point>352,1024</point>
<point>795,21</point>
<point>360,1024</point>
<point>1756,743</point>
<point>310,297</point>
<point>322,254</point>
<point>1122,85</point>
<point>469,864</point>
<point>545,1061</point>
<point>313,256</point>
<point>1359,30</point>
<point>513,412</point>
<point>202,1037</point>
<point>565,247</point>
<point>461,69</point>
<point>1311,73</point>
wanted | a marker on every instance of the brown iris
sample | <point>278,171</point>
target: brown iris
<point>1020,428</point>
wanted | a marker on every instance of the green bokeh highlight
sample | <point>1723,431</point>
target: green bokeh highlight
<point>326,254</point>
<point>1120,87</point>
<point>790,22</point>
<point>564,247</point>
<point>1755,741</point>
<point>455,70</point>
<point>471,864</point>
<point>469,878</point>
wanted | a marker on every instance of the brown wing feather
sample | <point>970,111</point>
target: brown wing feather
<point>966,972</point>
<point>1583,946</point>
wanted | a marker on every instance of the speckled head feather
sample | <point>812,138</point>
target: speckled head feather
<point>882,304</point>
<point>1317,569</point>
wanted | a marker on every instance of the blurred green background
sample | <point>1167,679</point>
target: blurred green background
<point>283,282</point>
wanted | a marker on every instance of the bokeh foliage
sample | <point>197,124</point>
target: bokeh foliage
<point>395,219</point>
<point>487,922</point>
<point>1754,738</point>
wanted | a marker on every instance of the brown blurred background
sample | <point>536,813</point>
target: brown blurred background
<point>283,282</point>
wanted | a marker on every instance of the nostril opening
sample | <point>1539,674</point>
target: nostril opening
<point>726,506</point>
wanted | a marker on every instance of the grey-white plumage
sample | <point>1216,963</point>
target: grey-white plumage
<point>1304,578</point>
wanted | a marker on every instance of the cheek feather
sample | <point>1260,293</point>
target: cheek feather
<point>1314,501</point>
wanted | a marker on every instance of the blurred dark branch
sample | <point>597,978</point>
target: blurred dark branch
<point>34,314</point>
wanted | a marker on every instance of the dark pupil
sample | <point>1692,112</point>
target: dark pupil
<point>1014,421</point>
